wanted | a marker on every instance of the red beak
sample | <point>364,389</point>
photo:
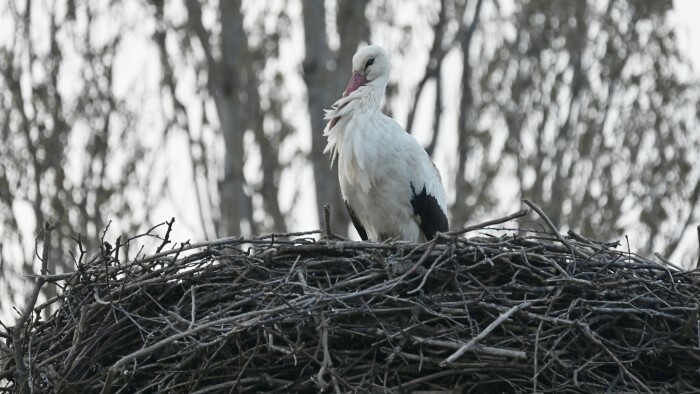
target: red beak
<point>356,81</point>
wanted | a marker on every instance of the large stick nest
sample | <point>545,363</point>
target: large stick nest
<point>501,311</point>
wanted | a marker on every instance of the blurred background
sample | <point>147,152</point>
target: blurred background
<point>117,115</point>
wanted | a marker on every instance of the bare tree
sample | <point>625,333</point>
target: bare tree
<point>61,157</point>
<point>231,75</point>
<point>598,120</point>
<point>438,51</point>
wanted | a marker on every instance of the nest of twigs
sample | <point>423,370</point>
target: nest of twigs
<point>502,311</point>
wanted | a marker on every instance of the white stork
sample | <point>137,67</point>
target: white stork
<point>390,185</point>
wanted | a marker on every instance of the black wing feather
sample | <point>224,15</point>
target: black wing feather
<point>356,222</point>
<point>426,207</point>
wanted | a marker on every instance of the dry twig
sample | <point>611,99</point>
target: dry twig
<point>22,373</point>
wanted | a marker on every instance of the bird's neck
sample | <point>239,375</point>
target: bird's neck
<point>370,96</point>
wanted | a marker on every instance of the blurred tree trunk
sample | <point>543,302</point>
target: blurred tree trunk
<point>228,81</point>
<point>234,83</point>
<point>566,140</point>
<point>326,72</point>
<point>228,84</point>
<point>461,209</point>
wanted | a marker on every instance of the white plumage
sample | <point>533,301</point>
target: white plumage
<point>391,187</point>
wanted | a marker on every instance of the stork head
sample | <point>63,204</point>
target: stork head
<point>370,67</point>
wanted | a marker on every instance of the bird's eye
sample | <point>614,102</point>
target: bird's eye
<point>369,63</point>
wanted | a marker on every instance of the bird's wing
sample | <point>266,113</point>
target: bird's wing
<point>429,214</point>
<point>356,222</point>
<point>427,193</point>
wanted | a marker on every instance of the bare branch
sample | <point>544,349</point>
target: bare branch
<point>503,317</point>
<point>22,373</point>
